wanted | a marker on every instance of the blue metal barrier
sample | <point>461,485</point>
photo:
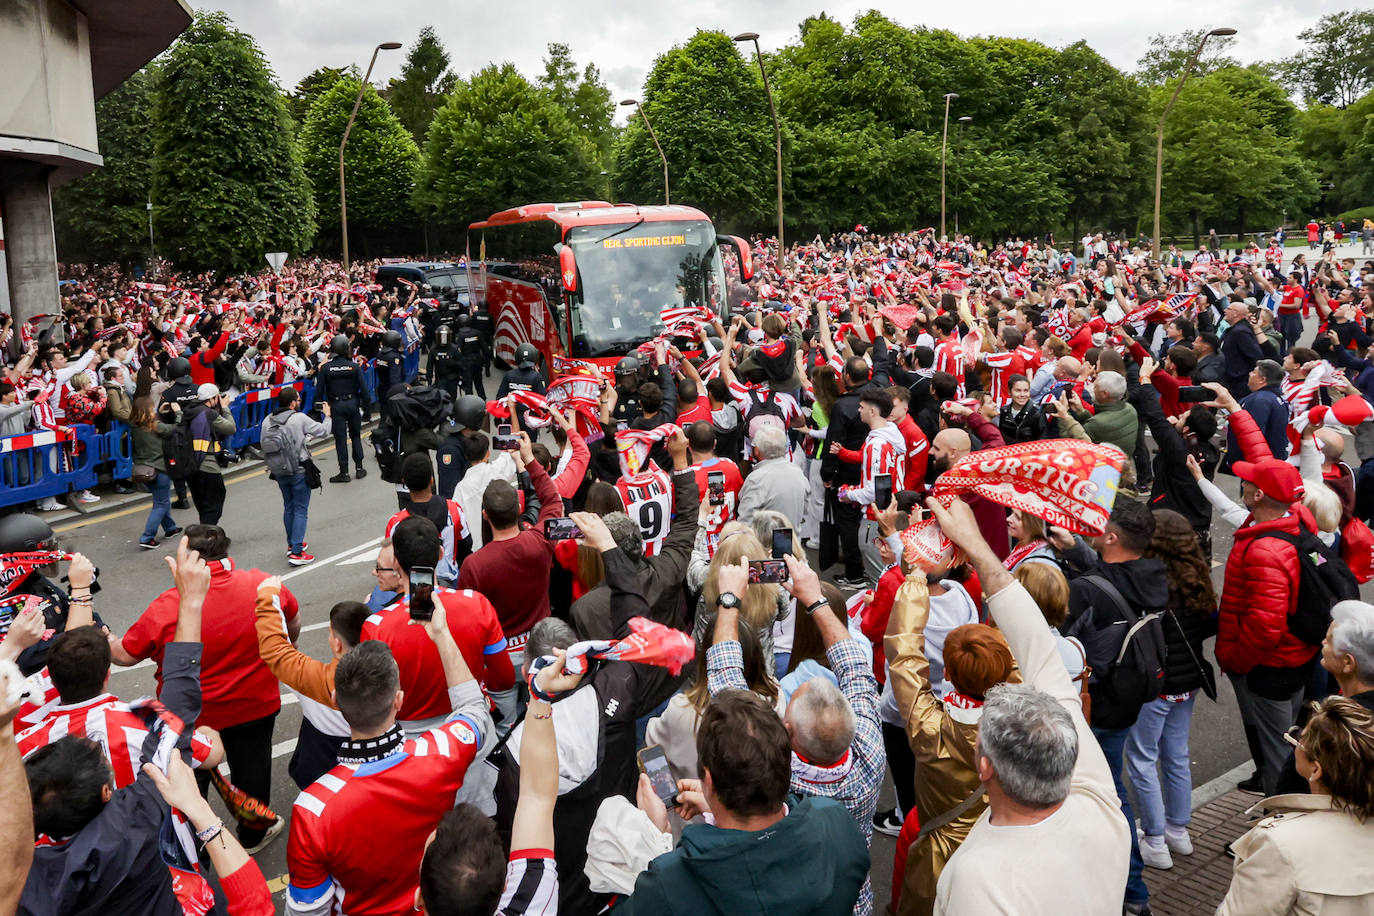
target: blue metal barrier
<point>411,364</point>
<point>117,446</point>
<point>369,372</point>
<point>252,407</point>
<point>46,463</point>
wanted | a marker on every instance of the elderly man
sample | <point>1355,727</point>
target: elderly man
<point>1266,405</point>
<point>837,742</point>
<point>1044,772</point>
<point>1348,650</point>
<point>1062,369</point>
<point>1114,421</point>
<point>775,482</point>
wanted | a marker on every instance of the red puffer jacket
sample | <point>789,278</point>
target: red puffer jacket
<point>1259,592</point>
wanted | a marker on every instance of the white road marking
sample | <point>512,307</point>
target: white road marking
<point>282,748</point>
<point>328,560</point>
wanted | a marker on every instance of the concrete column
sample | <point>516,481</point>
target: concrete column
<point>30,242</point>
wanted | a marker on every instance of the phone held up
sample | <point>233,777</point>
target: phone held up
<point>766,572</point>
<point>561,529</point>
<point>654,763</point>
<point>715,487</point>
<point>782,542</point>
<point>882,491</point>
<point>422,593</point>
<point>504,440</point>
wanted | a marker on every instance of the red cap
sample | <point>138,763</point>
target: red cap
<point>1276,479</point>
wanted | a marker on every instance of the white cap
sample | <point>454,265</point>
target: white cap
<point>207,392</point>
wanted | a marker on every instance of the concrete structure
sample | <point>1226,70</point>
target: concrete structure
<point>56,58</point>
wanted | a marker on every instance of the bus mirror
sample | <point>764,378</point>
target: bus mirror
<point>567,266</point>
<point>744,252</point>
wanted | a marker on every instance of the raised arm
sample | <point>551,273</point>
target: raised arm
<point>307,676</point>
<point>16,811</point>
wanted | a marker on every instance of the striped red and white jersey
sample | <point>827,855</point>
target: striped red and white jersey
<point>1032,357</point>
<point>949,357</point>
<point>884,452</point>
<point>1302,393</point>
<point>648,499</point>
<point>107,721</point>
<point>1004,365</point>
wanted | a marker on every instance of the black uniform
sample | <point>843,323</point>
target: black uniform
<point>343,389</point>
<point>390,366</point>
<point>486,327</point>
<point>521,380</point>
<point>182,392</point>
<point>473,350</point>
<point>445,367</point>
<point>452,464</point>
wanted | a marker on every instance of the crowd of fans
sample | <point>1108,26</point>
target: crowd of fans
<point>656,646</point>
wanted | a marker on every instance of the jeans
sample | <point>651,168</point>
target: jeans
<point>1113,742</point>
<point>509,702</point>
<point>161,513</point>
<point>1161,735</point>
<point>295,498</point>
<point>1290,326</point>
<point>873,563</point>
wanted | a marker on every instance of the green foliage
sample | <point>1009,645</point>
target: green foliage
<point>228,185</point>
<point>379,161</point>
<point>1339,143</point>
<point>1169,54</point>
<point>103,216</point>
<point>707,105</point>
<point>1231,152</point>
<point>1336,66</point>
<point>312,86</point>
<point>1354,219</point>
<point>498,142</point>
<point>584,98</point>
<point>424,83</point>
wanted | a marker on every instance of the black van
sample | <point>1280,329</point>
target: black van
<point>441,277</point>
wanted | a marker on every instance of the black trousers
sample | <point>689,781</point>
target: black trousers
<point>248,751</point>
<point>207,492</point>
<point>902,762</point>
<point>845,518</point>
<point>316,754</point>
<point>472,378</point>
<point>347,420</point>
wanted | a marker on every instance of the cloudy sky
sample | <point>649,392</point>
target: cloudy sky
<point>623,38</point>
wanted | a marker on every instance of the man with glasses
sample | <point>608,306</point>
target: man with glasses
<point>388,577</point>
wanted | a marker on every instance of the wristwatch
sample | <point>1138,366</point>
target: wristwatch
<point>727,600</point>
<point>815,606</point>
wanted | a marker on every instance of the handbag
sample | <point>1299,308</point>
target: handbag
<point>144,473</point>
<point>314,480</point>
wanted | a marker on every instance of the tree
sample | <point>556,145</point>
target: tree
<point>1169,54</point>
<point>424,83</point>
<point>1337,65</point>
<point>379,161</point>
<point>499,142</point>
<point>312,86</point>
<point>228,185</point>
<point>584,98</point>
<point>708,108</point>
<point>103,216</point>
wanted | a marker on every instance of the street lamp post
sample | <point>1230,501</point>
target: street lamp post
<point>777,134</point>
<point>152,248</point>
<point>959,172</point>
<point>667,198</point>
<point>343,191</point>
<point>1159,134</point>
<point>944,141</point>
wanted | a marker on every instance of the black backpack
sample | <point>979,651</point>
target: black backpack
<point>730,442</point>
<point>386,443</point>
<point>1136,675</point>
<point>1324,580</point>
<point>766,406</point>
<point>179,452</point>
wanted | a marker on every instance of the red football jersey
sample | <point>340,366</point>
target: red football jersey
<point>725,512</point>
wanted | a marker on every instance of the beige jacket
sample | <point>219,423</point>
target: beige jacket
<point>1305,859</point>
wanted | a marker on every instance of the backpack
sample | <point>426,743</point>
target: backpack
<point>178,451</point>
<point>1136,675</point>
<point>730,442</point>
<point>1323,581</point>
<point>386,444</point>
<point>764,411</point>
<point>278,451</point>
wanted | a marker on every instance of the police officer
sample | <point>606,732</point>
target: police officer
<point>468,417</point>
<point>627,377</point>
<point>343,390</point>
<point>390,366</point>
<point>473,355</point>
<point>486,327</point>
<point>445,366</point>
<point>524,377</point>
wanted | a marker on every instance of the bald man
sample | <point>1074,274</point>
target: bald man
<point>949,446</point>
<point>1335,472</point>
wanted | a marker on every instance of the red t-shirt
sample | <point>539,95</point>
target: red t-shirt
<point>358,832</point>
<point>471,620</point>
<point>725,512</point>
<point>701,410</point>
<point>1291,303</point>
<point>235,685</point>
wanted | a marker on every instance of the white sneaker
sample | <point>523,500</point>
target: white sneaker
<point>88,497</point>
<point>50,505</point>
<point>1155,853</point>
<point>1178,840</point>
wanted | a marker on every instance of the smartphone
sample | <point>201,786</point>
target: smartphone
<point>422,593</point>
<point>561,529</point>
<point>764,572</point>
<point>1194,394</point>
<point>504,440</point>
<point>654,763</point>
<point>882,491</point>
<point>715,487</point>
<point>782,542</point>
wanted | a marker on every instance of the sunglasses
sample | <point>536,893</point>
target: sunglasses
<point>1291,736</point>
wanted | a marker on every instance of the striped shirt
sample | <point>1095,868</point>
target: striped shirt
<point>531,884</point>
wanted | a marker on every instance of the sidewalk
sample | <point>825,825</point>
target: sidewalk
<point>1197,883</point>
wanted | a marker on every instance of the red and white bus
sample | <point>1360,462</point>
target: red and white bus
<point>588,279</point>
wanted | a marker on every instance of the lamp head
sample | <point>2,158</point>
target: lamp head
<point>624,102</point>
<point>965,119</point>
<point>951,95</point>
<point>389,45</point>
<point>1221,32</point>
<point>747,36</point>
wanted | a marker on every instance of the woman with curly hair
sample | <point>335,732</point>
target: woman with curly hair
<point>1160,734</point>
<point>1311,853</point>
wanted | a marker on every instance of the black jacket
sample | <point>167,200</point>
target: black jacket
<point>1184,633</point>
<point>1174,487</point>
<point>1022,425</point>
<point>849,431</point>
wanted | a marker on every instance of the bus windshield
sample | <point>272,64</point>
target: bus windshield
<point>631,272</point>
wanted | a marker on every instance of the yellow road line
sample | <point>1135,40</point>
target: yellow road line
<point>121,513</point>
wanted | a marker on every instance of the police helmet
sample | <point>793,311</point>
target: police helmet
<point>462,320</point>
<point>469,412</point>
<point>628,365</point>
<point>340,346</point>
<point>526,356</point>
<point>178,367</point>
<point>22,533</point>
<point>392,339</point>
